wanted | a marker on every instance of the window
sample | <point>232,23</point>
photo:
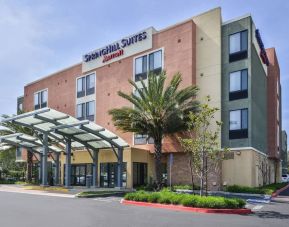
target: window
<point>80,87</point>
<point>141,68</point>
<point>238,85</point>
<point>86,85</point>
<point>142,139</point>
<point>238,124</point>
<point>90,110</point>
<point>40,99</point>
<point>90,84</point>
<point>238,46</point>
<point>148,63</point>
<point>86,111</point>
<point>80,111</point>
<point>155,62</point>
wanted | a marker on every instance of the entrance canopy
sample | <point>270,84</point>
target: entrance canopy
<point>59,126</point>
<point>26,141</point>
<point>53,127</point>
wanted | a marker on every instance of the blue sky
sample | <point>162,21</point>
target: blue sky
<point>40,37</point>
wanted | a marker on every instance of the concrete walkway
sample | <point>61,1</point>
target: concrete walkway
<point>21,189</point>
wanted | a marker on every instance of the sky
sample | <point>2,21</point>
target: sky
<point>38,38</point>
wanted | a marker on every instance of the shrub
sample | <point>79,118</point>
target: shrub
<point>186,187</point>
<point>167,197</point>
<point>266,189</point>
<point>244,189</point>
<point>153,197</point>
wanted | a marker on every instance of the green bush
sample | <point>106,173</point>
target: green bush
<point>153,197</point>
<point>167,197</point>
<point>266,189</point>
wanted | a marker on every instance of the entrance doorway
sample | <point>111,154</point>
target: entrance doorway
<point>79,173</point>
<point>108,174</point>
<point>139,174</point>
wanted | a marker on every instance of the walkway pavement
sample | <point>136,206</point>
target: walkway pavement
<point>21,189</point>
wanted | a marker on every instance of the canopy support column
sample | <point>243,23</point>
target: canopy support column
<point>68,164</point>
<point>40,168</point>
<point>95,169</point>
<point>44,159</point>
<point>57,167</point>
<point>119,167</point>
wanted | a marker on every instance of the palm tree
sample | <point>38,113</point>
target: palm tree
<point>157,111</point>
<point>10,128</point>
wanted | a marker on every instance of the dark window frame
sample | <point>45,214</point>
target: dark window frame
<point>241,54</point>
<point>243,92</point>
<point>241,133</point>
<point>144,74</point>
<point>40,104</point>
<point>85,91</point>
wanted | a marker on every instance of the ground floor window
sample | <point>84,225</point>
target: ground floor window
<point>79,173</point>
<point>108,174</point>
<point>140,174</point>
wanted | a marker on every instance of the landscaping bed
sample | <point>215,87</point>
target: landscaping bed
<point>266,190</point>
<point>186,200</point>
<point>94,194</point>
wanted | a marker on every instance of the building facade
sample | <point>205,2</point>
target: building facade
<point>226,60</point>
<point>284,154</point>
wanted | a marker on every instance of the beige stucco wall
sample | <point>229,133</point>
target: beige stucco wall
<point>208,58</point>
<point>130,155</point>
<point>244,169</point>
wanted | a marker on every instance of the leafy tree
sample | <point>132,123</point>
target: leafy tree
<point>9,128</point>
<point>157,111</point>
<point>201,143</point>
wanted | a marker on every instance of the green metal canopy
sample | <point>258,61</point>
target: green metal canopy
<point>57,127</point>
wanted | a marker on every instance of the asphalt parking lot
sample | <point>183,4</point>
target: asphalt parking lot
<point>27,210</point>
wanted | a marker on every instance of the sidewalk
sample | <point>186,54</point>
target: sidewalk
<point>21,189</point>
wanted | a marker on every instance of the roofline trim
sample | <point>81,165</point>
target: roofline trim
<point>53,74</point>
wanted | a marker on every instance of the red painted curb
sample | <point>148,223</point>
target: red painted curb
<point>190,209</point>
<point>275,194</point>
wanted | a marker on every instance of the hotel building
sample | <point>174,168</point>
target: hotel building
<point>226,60</point>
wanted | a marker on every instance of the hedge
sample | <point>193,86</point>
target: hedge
<point>167,197</point>
<point>267,189</point>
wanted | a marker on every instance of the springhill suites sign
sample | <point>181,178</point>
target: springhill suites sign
<point>118,50</point>
<point>262,53</point>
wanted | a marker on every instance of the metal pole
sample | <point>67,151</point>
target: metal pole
<point>57,168</point>
<point>68,164</point>
<point>44,160</point>
<point>119,167</point>
<point>95,169</point>
<point>40,168</point>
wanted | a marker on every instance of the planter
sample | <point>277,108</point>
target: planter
<point>275,194</point>
<point>189,209</point>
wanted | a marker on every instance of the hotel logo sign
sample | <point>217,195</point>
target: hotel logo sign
<point>263,53</point>
<point>118,50</point>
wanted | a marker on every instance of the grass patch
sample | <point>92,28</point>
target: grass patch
<point>93,194</point>
<point>267,189</point>
<point>168,197</point>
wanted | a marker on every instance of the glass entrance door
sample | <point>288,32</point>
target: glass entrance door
<point>79,173</point>
<point>108,174</point>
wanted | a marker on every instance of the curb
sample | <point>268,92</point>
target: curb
<point>190,209</point>
<point>275,194</point>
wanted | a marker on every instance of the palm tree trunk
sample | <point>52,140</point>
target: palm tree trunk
<point>158,163</point>
<point>29,166</point>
